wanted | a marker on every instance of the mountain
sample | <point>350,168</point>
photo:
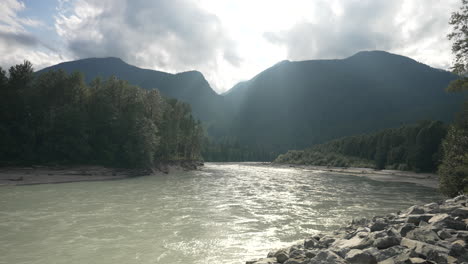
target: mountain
<point>190,87</point>
<point>293,105</point>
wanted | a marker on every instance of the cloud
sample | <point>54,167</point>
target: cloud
<point>171,35</point>
<point>17,43</point>
<point>413,28</point>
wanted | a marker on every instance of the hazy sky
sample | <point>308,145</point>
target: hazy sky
<point>227,40</point>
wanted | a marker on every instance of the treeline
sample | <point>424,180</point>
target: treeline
<point>229,149</point>
<point>410,147</point>
<point>56,118</point>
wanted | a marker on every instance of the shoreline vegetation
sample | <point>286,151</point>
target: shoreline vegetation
<point>430,180</point>
<point>33,175</point>
<point>433,233</point>
<point>56,118</point>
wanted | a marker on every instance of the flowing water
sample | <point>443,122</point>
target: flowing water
<point>223,213</point>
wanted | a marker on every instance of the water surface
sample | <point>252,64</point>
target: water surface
<point>223,213</point>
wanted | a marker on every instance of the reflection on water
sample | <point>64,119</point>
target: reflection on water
<point>224,213</point>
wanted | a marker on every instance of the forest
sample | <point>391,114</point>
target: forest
<point>410,147</point>
<point>56,118</point>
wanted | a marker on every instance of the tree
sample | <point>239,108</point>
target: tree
<point>453,171</point>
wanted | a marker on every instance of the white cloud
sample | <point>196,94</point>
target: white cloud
<point>17,43</point>
<point>230,40</point>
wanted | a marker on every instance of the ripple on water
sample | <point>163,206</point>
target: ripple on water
<point>224,213</point>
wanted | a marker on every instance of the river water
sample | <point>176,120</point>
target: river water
<point>223,213</point>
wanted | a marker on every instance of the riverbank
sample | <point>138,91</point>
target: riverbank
<point>424,179</point>
<point>433,233</point>
<point>63,174</point>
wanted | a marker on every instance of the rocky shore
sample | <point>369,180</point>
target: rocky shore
<point>432,233</point>
<point>63,174</point>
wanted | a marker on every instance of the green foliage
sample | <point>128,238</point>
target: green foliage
<point>453,171</point>
<point>410,147</point>
<point>58,118</point>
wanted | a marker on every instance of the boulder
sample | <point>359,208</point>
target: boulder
<point>266,261</point>
<point>386,242</point>
<point>426,250</point>
<point>294,261</point>
<point>442,221</point>
<point>282,257</point>
<point>327,256</point>
<point>405,228</point>
<point>444,234</point>
<point>360,257</point>
<point>389,252</point>
<point>415,219</point>
<point>461,212</point>
<point>415,209</point>
<point>298,253</point>
<point>424,234</point>
<point>378,225</point>
<point>310,243</point>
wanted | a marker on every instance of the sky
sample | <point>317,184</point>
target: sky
<point>227,40</point>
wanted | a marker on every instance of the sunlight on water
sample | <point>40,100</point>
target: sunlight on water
<point>224,213</point>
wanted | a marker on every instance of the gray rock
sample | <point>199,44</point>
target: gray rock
<point>442,221</point>
<point>390,252</point>
<point>418,261</point>
<point>415,219</point>
<point>326,257</point>
<point>298,253</point>
<point>310,243</point>
<point>403,230</point>
<point>310,254</point>
<point>461,212</point>
<point>360,257</point>
<point>424,249</point>
<point>282,257</point>
<point>444,234</point>
<point>415,209</point>
<point>378,225</point>
<point>266,261</point>
<point>294,261</point>
<point>386,242</point>
<point>424,234</point>
<point>325,242</point>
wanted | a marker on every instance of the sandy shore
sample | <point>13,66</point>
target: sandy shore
<point>424,179</point>
<point>48,175</point>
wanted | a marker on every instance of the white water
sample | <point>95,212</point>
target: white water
<point>224,213</point>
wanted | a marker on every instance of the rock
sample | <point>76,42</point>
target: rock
<point>403,230</point>
<point>294,261</point>
<point>458,249</point>
<point>418,261</point>
<point>415,210</point>
<point>360,257</point>
<point>461,212</point>
<point>310,254</point>
<point>378,225</point>
<point>266,261</point>
<point>415,219</point>
<point>282,257</point>
<point>354,243</point>
<point>424,234</point>
<point>426,250</point>
<point>442,221</point>
<point>460,198</point>
<point>386,242</point>
<point>310,243</point>
<point>325,242</point>
<point>390,252</point>
<point>444,234</point>
<point>298,253</point>
<point>327,256</point>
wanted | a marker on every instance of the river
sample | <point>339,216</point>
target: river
<point>223,213</point>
